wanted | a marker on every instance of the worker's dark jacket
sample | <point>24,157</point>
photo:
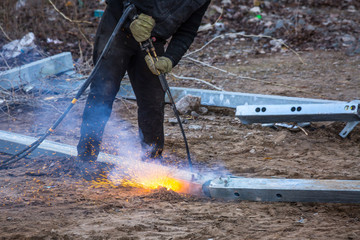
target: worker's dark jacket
<point>179,19</point>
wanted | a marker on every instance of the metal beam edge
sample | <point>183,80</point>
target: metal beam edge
<point>36,71</point>
<point>285,190</point>
<point>228,99</point>
<point>346,112</point>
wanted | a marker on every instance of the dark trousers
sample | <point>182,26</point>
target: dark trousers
<point>125,55</point>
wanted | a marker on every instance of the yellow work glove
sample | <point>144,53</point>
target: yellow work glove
<point>141,27</point>
<point>163,65</point>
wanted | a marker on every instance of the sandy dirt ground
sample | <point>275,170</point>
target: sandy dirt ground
<point>37,206</point>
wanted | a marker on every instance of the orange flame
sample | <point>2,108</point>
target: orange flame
<point>143,175</point>
<point>160,181</point>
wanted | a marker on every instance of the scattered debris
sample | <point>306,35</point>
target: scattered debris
<point>203,110</point>
<point>17,47</point>
<point>194,114</point>
<point>298,24</point>
<point>187,104</point>
<point>54,41</point>
<point>20,4</point>
<point>195,127</point>
<point>285,125</point>
<point>173,121</point>
<point>302,220</point>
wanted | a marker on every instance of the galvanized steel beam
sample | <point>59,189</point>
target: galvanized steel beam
<point>284,190</point>
<point>228,99</point>
<point>33,73</point>
<point>265,113</point>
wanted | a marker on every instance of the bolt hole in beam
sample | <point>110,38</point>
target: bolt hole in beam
<point>278,195</point>
<point>263,109</point>
<point>293,109</point>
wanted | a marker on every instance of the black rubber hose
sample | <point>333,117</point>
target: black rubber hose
<point>166,88</point>
<point>26,151</point>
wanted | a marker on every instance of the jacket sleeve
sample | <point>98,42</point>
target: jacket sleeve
<point>184,36</point>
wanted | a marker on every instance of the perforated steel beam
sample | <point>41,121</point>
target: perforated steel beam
<point>284,190</point>
<point>346,112</point>
<point>265,113</point>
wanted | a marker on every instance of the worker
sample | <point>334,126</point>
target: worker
<point>159,20</point>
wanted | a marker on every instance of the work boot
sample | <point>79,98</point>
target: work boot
<point>92,170</point>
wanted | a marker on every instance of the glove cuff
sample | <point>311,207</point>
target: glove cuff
<point>171,58</point>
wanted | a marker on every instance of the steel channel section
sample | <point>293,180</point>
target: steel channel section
<point>284,190</point>
<point>228,99</point>
<point>36,71</point>
<point>346,112</point>
<point>12,143</point>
